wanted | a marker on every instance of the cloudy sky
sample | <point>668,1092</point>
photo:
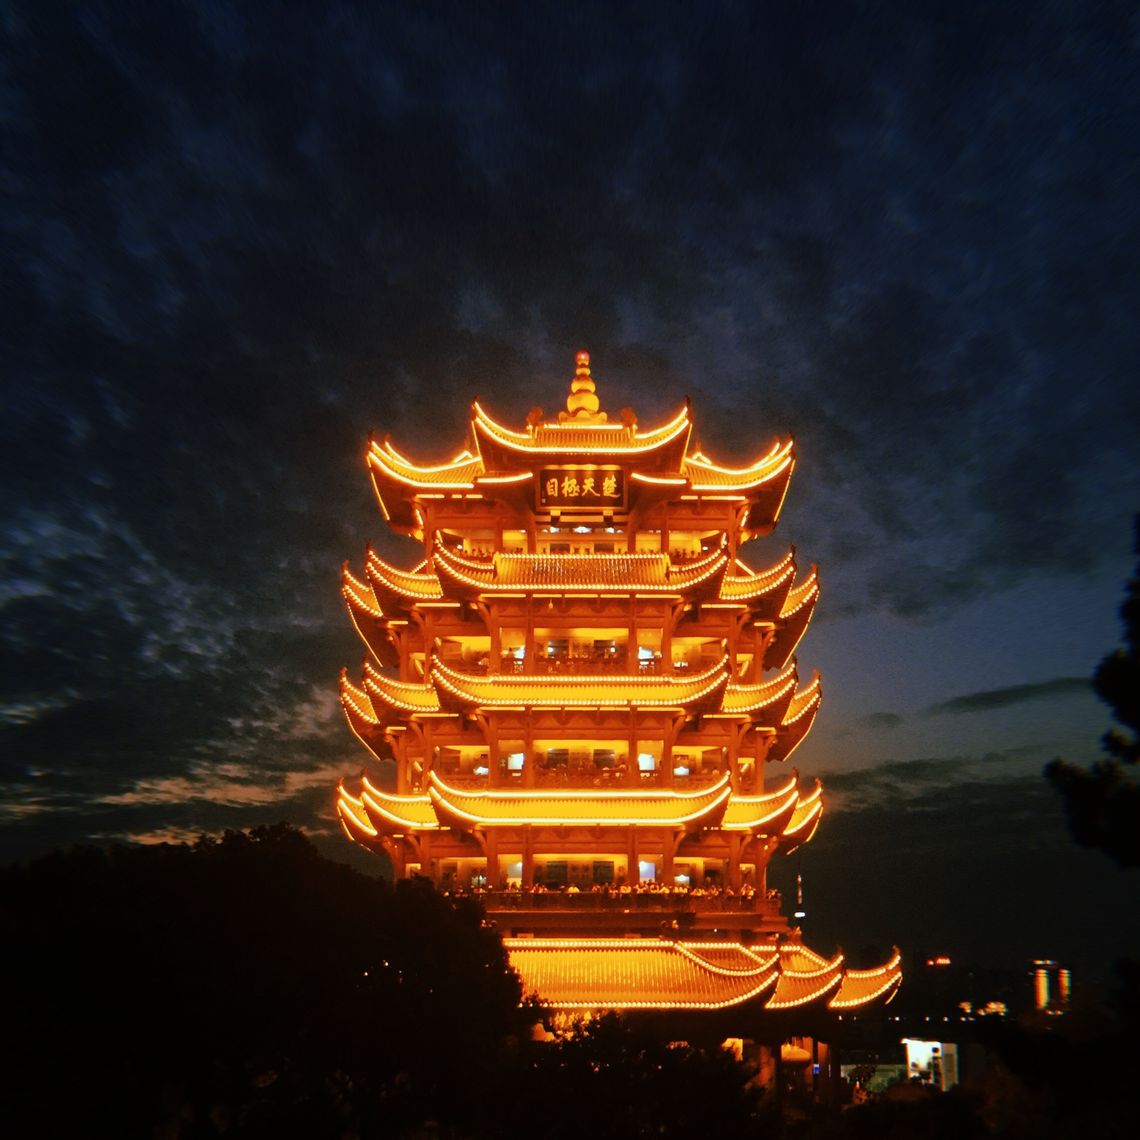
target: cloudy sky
<point>240,237</point>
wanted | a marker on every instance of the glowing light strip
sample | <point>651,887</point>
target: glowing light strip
<point>812,813</point>
<point>609,690</point>
<point>406,583</point>
<point>778,449</point>
<point>806,701</point>
<point>852,1002</point>
<point>767,797</point>
<point>793,948</point>
<point>387,805</point>
<point>814,995</point>
<point>358,592</point>
<point>521,795</point>
<point>382,465</point>
<point>527,442</point>
<point>751,823</point>
<point>801,595</point>
<point>728,971</point>
<point>742,486</point>
<point>465,456</point>
<point>357,699</point>
<point>404,695</point>
<point>450,555</point>
<point>741,699</point>
<point>809,975</point>
<point>482,574</point>
<point>522,477</point>
<point>660,480</point>
<point>641,820</point>
<point>522,946</point>
<point>746,589</point>
<point>348,803</point>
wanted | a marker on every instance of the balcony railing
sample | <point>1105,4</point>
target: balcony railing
<point>586,779</point>
<point>610,898</point>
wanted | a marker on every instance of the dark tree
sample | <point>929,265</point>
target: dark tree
<point>243,987</point>
<point>1103,802</point>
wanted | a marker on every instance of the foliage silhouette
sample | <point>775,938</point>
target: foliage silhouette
<point>245,987</point>
<point>1103,803</point>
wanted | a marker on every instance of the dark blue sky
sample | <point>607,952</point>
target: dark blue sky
<point>239,237</point>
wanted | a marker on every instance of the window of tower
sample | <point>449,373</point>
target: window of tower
<point>696,653</point>
<point>684,545</point>
<point>479,543</point>
<point>603,871</point>
<point>513,644</point>
<point>468,654</point>
<point>648,542</point>
<point>649,650</point>
<point>468,763</point>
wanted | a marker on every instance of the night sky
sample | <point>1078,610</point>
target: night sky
<point>240,237</point>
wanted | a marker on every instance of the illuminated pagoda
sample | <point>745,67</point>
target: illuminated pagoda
<point>589,700</point>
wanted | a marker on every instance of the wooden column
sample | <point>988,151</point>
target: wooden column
<point>734,862</point>
<point>632,774</point>
<point>528,858</point>
<point>490,843</point>
<point>529,759</point>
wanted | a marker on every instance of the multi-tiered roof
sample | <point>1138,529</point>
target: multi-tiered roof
<point>572,699</point>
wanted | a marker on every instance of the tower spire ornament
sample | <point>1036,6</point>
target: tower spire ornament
<point>582,404</point>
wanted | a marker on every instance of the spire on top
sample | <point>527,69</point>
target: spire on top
<point>582,403</point>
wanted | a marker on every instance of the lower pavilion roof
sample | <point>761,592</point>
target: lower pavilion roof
<point>783,814</point>
<point>658,974</point>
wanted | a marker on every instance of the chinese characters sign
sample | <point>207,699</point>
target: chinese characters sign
<point>583,487</point>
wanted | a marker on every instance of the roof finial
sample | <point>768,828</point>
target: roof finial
<point>582,403</point>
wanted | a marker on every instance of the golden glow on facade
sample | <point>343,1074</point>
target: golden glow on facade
<point>579,690</point>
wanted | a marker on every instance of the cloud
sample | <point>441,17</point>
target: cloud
<point>970,866</point>
<point>886,720</point>
<point>990,699</point>
<point>235,247</point>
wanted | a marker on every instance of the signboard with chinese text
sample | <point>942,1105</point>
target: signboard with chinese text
<point>581,488</point>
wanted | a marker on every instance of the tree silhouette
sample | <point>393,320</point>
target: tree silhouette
<point>1103,802</point>
<point>243,987</point>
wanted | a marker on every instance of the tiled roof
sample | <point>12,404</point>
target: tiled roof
<point>555,690</point>
<point>742,698</point>
<point>415,585</point>
<point>659,974</point>
<point>638,974</point>
<point>740,587</point>
<point>388,812</point>
<point>570,438</point>
<point>580,807</point>
<point>404,696</point>
<point>768,812</point>
<point>386,462</point>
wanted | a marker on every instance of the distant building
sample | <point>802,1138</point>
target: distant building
<point>587,697</point>
<point>933,1063</point>
<point>1052,985</point>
